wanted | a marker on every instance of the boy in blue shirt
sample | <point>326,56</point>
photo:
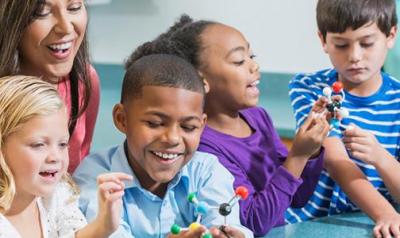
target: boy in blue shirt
<point>161,114</point>
<point>360,163</point>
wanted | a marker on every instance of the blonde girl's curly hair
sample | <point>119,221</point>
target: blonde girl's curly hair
<point>21,98</point>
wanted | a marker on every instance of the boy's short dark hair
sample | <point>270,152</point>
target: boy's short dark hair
<point>159,70</point>
<point>338,15</point>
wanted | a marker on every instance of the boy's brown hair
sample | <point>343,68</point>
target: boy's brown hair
<point>337,16</point>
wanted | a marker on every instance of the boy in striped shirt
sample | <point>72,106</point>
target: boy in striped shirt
<point>361,167</point>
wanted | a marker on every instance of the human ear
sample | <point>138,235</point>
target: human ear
<point>205,82</point>
<point>119,117</point>
<point>323,42</point>
<point>391,38</point>
<point>203,120</point>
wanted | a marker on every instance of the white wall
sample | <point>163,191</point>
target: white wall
<point>282,32</point>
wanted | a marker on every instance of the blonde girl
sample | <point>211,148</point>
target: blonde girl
<point>37,198</point>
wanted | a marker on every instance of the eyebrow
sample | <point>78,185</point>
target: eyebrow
<point>360,38</point>
<point>164,116</point>
<point>239,48</point>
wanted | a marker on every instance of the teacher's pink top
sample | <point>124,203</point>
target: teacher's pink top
<point>81,138</point>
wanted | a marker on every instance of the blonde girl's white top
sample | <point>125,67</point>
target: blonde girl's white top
<point>60,216</point>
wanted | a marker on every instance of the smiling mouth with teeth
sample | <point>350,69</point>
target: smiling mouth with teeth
<point>254,84</point>
<point>48,174</point>
<point>60,47</point>
<point>166,156</point>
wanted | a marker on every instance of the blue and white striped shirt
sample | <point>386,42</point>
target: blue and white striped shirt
<point>378,114</point>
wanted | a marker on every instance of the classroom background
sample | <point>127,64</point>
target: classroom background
<point>282,34</point>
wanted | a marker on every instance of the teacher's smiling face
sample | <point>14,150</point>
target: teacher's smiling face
<point>51,41</point>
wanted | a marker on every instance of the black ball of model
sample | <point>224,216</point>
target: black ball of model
<point>225,209</point>
<point>332,106</point>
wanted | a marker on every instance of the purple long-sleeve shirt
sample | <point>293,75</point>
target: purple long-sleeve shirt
<point>256,162</point>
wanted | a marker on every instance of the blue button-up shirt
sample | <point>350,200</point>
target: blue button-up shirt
<point>146,215</point>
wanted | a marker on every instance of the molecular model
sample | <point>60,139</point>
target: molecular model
<point>334,105</point>
<point>202,208</point>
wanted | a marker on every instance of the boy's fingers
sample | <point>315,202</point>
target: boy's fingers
<point>356,140</point>
<point>117,176</point>
<point>377,231</point>
<point>385,231</point>
<point>196,233</point>
<point>231,232</point>
<point>351,130</point>
<point>354,147</point>
<point>395,230</point>
<point>215,232</point>
<point>355,131</point>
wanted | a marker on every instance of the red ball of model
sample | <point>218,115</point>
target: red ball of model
<point>242,192</point>
<point>337,87</point>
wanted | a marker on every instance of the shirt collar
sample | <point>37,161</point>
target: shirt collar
<point>119,163</point>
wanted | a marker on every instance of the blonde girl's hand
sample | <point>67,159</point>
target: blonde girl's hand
<point>110,192</point>
<point>309,137</point>
<point>226,232</point>
<point>363,145</point>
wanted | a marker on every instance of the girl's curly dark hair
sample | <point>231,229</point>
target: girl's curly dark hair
<point>181,39</point>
